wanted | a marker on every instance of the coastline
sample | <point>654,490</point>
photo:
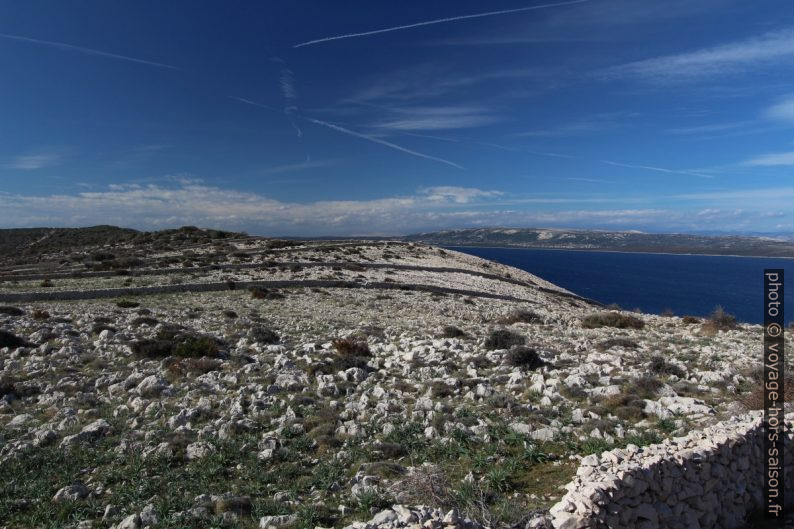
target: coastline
<point>610,251</point>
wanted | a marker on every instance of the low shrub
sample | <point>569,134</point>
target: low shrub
<point>646,387</point>
<point>11,311</point>
<point>348,347</point>
<point>503,339</point>
<point>450,331</point>
<point>230,314</point>
<point>13,341</point>
<point>182,366</point>
<point>145,320</point>
<point>7,387</point>
<point>617,342</point>
<point>263,293</point>
<point>152,348</point>
<point>660,366</point>
<point>47,283</point>
<point>524,357</point>
<point>99,327</point>
<point>263,335</point>
<point>690,320</point>
<point>127,304</point>
<point>521,316</point>
<point>196,347</point>
<point>612,319</point>
<point>719,320</point>
<point>40,314</point>
<point>343,363</point>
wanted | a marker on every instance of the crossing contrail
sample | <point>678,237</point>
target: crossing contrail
<point>380,141</point>
<point>437,21</point>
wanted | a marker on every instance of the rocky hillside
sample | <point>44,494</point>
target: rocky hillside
<point>621,241</point>
<point>270,383</point>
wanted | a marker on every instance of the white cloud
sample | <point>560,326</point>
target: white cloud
<point>727,58</point>
<point>33,161</point>
<point>188,201</point>
<point>780,158</point>
<point>459,195</point>
<point>782,111</point>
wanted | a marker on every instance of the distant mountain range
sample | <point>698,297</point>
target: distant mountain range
<point>34,241</point>
<point>621,241</point>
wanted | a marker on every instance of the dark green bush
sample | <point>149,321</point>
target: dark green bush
<point>152,348</point>
<point>450,331</point>
<point>196,347</point>
<point>612,319</point>
<point>11,311</point>
<point>13,341</point>
<point>503,339</point>
<point>263,335</point>
<point>127,304</point>
<point>660,366</point>
<point>524,357</point>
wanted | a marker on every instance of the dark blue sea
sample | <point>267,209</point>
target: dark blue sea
<point>685,284</point>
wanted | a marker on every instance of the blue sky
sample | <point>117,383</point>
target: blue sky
<point>376,117</point>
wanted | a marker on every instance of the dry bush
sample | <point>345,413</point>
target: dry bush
<point>617,342</point>
<point>690,320</point>
<point>183,366</point>
<point>612,319</point>
<point>719,320</point>
<point>521,316</point>
<point>263,293</point>
<point>754,400</point>
<point>39,314</point>
<point>348,347</point>
<point>426,485</point>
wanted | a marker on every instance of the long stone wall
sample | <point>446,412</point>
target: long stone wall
<point>711,478</point>
<point>69,295</point>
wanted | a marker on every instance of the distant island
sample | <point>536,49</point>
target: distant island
<point>615,241</point>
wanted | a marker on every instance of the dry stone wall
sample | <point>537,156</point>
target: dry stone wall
<point>711,478</point>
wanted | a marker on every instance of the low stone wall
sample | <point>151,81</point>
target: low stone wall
<point>69,295</point>
<point>711,478</point>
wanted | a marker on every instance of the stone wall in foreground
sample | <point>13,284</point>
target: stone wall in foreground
<point>711,478</point>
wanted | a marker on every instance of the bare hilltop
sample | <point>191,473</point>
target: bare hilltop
<point>202,378</point>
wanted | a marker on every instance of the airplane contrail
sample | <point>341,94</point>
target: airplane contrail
<point>254,103</point>
<point>437,21</point>
<point>88,51</point>
<point>658,169</point>
<point>382,142</point>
